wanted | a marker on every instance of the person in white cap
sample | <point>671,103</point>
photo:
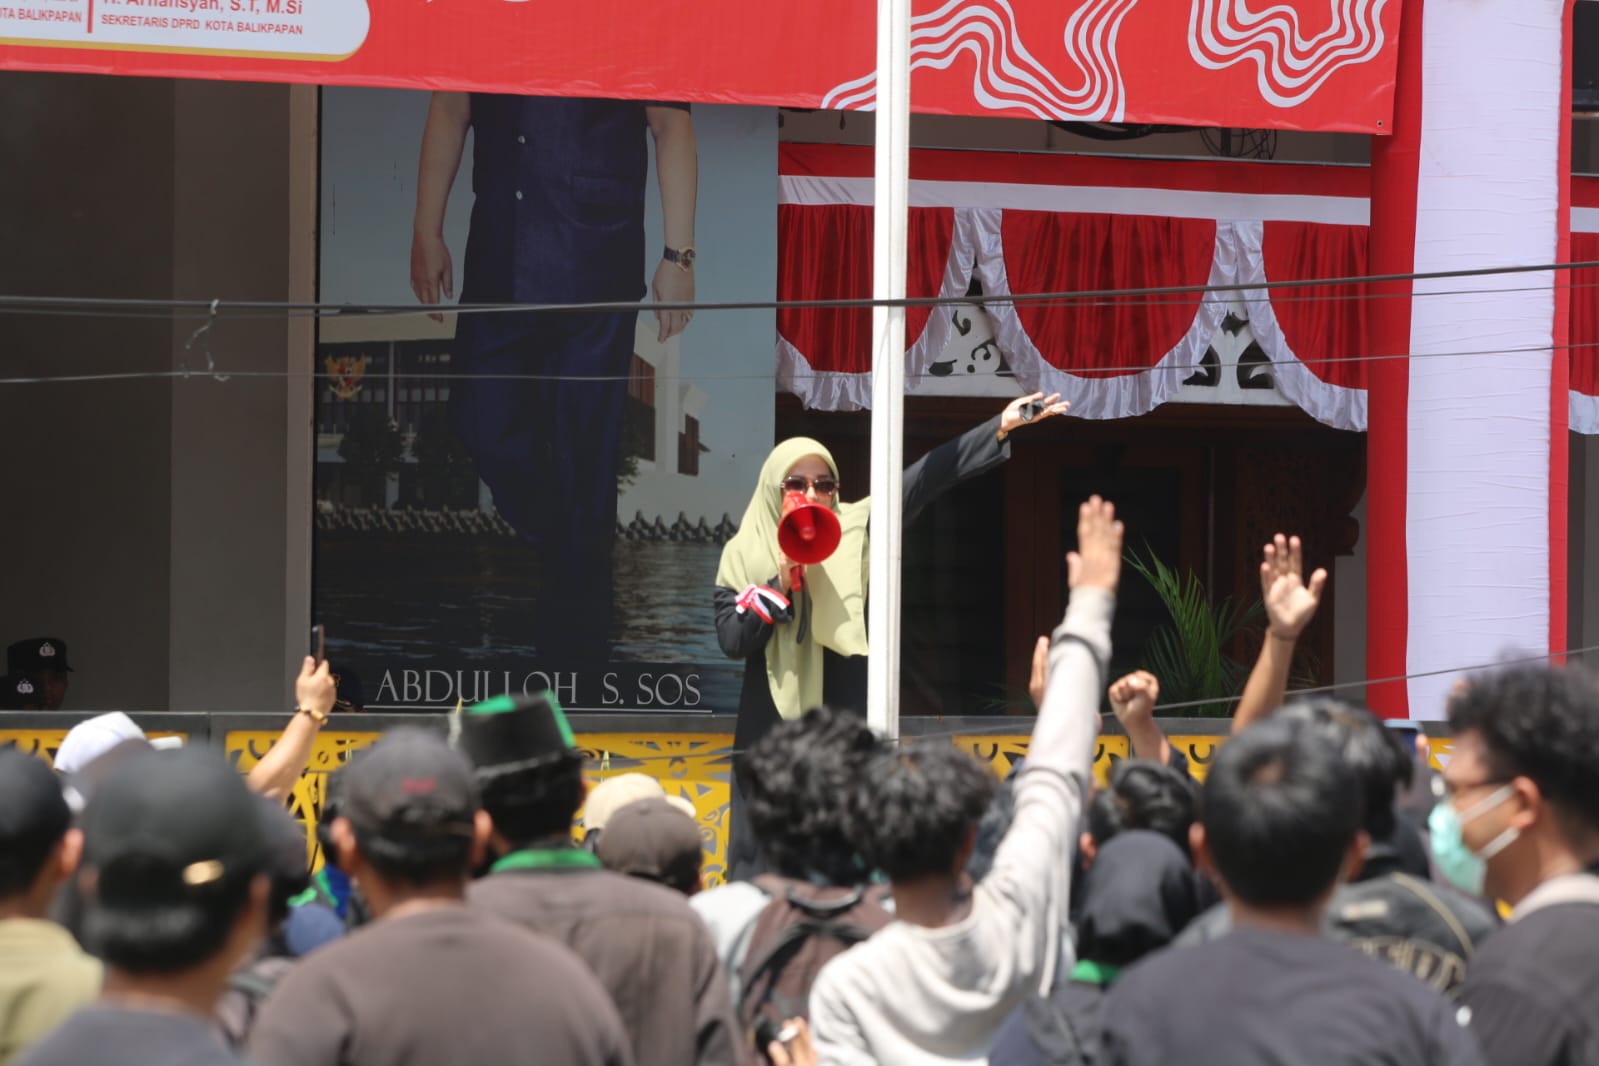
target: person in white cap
<point>89,740</point>
<point>610,796</point>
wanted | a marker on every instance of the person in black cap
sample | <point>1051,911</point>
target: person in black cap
<point>647,947</point>
<point>430,980</point>
<point>175,890</point>
<point>43,660</point>
<point>44,975</point>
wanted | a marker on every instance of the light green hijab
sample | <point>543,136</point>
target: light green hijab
<point>837,587</point>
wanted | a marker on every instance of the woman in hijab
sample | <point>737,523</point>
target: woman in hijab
<point>807,646</point>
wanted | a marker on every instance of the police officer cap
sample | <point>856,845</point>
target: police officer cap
<point>37,654</point>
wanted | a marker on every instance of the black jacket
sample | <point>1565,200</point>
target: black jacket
<point>1532,989</point>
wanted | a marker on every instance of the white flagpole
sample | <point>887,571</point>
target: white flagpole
<point>891,187</point>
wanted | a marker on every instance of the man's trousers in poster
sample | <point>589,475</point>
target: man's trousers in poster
<point>540,409</point>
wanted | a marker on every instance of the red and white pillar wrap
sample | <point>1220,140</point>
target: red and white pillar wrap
<point>1467,467</point>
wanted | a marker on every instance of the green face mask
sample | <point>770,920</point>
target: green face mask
<point>1458,864</point>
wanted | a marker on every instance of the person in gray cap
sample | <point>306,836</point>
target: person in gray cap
<point>648,948</point>
<point>44,975</point>
<point>653,839</point>
<point>43,660</point>
<point>175,888</point>
<point>430,980</point>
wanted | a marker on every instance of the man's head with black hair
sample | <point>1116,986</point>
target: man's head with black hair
<point>917,807</point>
<point>1379,759</point>
<point>535,803</point>
<point>1520,773</point>
<point>798,781</point>
<point>1280,819</point>
<point>38,846</point>
<point>1141,795</point>
<point>526,760</point>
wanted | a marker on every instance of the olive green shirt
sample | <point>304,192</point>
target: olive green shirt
<point>44,978</point>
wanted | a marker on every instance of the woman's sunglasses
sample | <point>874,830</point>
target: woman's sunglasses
<point>824,485</point>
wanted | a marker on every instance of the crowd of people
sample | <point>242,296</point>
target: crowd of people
<point>1321,897</point>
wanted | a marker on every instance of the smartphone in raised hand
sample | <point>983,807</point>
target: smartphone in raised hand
<point>317,651</point>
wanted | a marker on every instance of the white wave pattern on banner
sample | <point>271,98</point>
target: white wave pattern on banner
<point>290,29</point>
<point>1289,67</point>
<point>1007,76</point>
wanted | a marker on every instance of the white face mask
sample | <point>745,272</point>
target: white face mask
<point>1482,807</point>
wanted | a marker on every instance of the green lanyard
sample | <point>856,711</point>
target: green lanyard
<point>1089,972</point>
<point>547,859</point>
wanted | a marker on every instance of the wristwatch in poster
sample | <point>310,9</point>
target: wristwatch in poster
<point>682,259</point>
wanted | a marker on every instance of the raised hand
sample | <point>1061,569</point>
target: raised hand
<point>1134,696</point>
<point>1040,675</point>
<point>1017,412</point>
<point>1097,562</point>
<point>1133,700</point>
<point>1290,602</point>
<point>315,689</point>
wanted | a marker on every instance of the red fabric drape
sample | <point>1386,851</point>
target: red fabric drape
<point>825,252</point>
<point>1051,252</point>
<point>1584,338</point>
<point>1320,322</point>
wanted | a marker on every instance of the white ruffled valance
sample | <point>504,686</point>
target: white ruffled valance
<point>1097,390</point>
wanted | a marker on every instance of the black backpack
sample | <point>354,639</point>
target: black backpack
<point>795,935</point>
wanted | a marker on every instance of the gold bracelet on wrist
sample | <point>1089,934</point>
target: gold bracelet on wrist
<point>315,715</point>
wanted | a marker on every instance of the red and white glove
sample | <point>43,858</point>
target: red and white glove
<point>763,601</point>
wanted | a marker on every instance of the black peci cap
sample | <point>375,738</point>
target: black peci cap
<point>510,733</point>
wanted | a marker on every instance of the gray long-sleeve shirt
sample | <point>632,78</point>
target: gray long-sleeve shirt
<point>915,996</point>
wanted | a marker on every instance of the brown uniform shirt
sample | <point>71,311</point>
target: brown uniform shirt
<point>449,985</point>
<point>642,940</point>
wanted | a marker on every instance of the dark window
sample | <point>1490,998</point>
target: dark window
<point>638,432</point>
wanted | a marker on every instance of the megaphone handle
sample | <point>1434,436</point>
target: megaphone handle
<point>796,578</point>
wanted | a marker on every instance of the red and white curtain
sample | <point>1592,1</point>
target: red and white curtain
<point>1025,225</point>
<point>1584,329</point>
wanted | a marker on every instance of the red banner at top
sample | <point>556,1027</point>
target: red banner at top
<point>1295,64</point>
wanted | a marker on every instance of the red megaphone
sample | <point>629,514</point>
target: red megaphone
<point>807,533</point>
